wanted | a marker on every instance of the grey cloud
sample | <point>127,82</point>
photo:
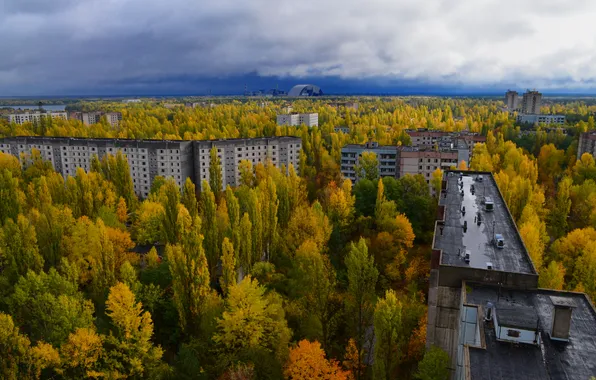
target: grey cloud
<point>66,45</point>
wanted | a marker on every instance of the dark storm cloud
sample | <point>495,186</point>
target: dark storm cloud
<point>102,46</point>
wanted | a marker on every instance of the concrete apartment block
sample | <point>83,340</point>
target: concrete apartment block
<point>308,119</point>
<point>279,150</point>
<point>149,158</point>
<point>20,118</point>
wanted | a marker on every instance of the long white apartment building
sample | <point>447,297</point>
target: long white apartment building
<point>149,158</point>
<point>278,150</point>
<point>20,118</point>
<point>308,119</point>
<point>541,119</point>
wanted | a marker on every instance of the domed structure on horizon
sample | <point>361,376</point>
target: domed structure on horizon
<point>305,90</point>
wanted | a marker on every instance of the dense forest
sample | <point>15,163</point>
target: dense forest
<point>289,275</point>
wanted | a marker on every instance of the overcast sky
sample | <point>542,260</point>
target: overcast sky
<point>188,46</point>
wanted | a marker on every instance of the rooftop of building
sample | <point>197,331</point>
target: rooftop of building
<point>17,138</point>
<point>425,131</point>
<point>477,240</point>
<point>442,148</point>
<point>32,111</point>
<point>550,359</point>
<point>370,146</point>
<point>461,144</point>
<point>305,90</point>
<point>590,135</point>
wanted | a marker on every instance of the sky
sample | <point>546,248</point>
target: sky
<point>151,47</point>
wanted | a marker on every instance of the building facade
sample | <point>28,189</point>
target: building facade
<point>345,130</point>
<point>531,102</point>
<point>89,118</point>
<point>424,137</point>
<point>149,158</point>
<point>511,100</point>
<point>587,144</point>
<point>398,161</point>
<point>277,150</point>
<point>308,119</point>
<point>541,119</point>
<point>20,118</point>
<point>387,156</point>
<point>413,160</point>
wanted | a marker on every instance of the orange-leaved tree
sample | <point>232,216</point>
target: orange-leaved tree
<point>307,361</point>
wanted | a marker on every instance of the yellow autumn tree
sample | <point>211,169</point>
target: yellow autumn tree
<point>552,277</point>
<point>81,354</point>
<point>531,237</point>
<point>341,204</point>
<point>131,354</point>
<point>122,211</point>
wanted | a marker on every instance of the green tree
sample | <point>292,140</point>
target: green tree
<point>387,325</point>
<point>228,265</point>
<point>9,196</point>
<point>367,166</point>
<point>123,181</point>
<point>189,198</point>
<point>16,356</point>
<point>436,182</point>
<point>254,212</point>
<point>103,263</point>
<point>52,226</point>
<point>317,283</point>
<point>560,212</point>
<point>552,277</point>
<point>170,199</point>
<point>269,205</point>
<point>247,177</point>
<point>434,365</point>
<point>209,227</point>
<point>128,276</point>
<point>49,307</point>
<point>18,249</point>
<point>365,194</point>
<point>190,279</point>
<point>360,297</point>
<point>158,182</point>
<point>585,272</point>
<point>234,217</point>
<point>148,227</point>
<point>215,176</point>
<point>245,244</point>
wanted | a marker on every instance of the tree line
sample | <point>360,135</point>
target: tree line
<point>257,281</point>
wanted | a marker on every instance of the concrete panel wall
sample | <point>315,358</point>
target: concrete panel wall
<point>453,276</point>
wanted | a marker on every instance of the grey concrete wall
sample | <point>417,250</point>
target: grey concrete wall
<point>453,276</point>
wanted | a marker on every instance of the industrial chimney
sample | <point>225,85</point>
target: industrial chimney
<point>563,307</point>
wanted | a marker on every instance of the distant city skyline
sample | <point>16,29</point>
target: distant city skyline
<point>92,47</point>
